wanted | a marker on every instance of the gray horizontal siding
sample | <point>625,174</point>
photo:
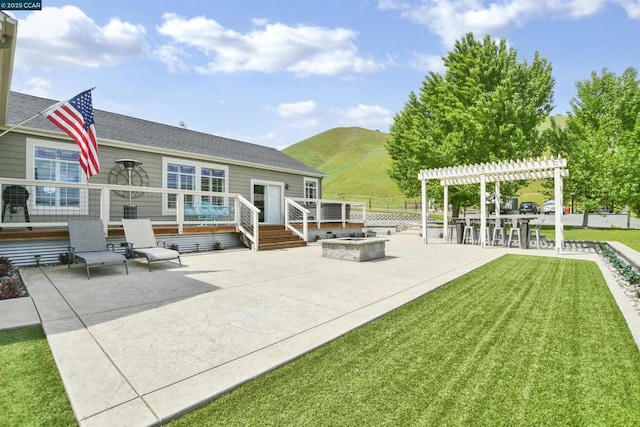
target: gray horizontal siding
<point>13,165</point>
<point>13,158</point>
<point>240,180</point>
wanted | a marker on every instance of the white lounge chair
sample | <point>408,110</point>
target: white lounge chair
<point>89,245</point>
<point>142,241</point>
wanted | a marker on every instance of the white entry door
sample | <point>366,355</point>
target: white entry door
<point>267,196</point>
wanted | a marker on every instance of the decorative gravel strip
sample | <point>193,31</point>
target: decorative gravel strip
<point>626,275</point>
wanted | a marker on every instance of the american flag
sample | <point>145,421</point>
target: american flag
<point>75,117</point>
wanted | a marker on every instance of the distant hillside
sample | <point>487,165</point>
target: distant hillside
<point>354,160</point>
<point>561,121</point>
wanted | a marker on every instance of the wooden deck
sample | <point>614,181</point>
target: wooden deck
<point>63,233</point>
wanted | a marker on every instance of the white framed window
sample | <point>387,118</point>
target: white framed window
<point>181,174</point>
<point>59,162</point>
<point>310,188</point>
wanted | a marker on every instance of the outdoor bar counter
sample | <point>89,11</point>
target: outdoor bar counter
<point>523,220</point>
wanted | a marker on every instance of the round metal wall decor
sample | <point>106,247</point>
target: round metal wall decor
<point>120,176</point>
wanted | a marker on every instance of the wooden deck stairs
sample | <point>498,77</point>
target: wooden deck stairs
<point>278,237</point>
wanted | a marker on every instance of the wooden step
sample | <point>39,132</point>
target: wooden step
<point>279,238</point>
<point>276,236</point>
<point>281,245</point>
<point>270,233</point>
<point>271,227</point>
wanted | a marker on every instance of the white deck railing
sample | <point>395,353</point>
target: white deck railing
<point>50,204</point>
<point>296,219</point>
<point>247,218</point>
<point>323,211</point>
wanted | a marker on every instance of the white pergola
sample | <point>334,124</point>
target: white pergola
<point>483,173</point>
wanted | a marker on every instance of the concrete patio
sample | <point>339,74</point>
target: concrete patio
<point>144,348</point>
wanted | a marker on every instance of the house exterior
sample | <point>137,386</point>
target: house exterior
<point>192,185</point>
<point>168,157</point>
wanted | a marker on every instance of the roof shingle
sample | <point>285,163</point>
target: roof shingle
<point>117,127</point>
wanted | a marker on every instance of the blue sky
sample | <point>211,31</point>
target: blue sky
<point>274,72</point>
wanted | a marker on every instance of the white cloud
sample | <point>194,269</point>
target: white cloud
<point>260,22</point>
<point>632,7</point>
<point>301,112</point>
<point>58,37</point>
<point>271,48</point>
<point>575,9</point>
<point>37,86</point>
<point>65,36</point>
<point>172,56</point>
<point>393,4</point>
<point>296,109</point>
<point>364,115</point>
<point>451,19</point>
<point>428,63</point>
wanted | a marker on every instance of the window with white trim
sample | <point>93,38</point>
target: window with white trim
<point>213,179</point>
<point>54,161</point>
<point>179,174</point>
<point>310,188</point>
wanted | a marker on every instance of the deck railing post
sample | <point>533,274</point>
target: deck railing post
<point>180,212</point>
<point>293,210</point>
<point>105,208</point>
<point>305,226</point>
<point>286,213</point>
<point>256,232</point>
<point>344,214</point>
<point>237,211</point>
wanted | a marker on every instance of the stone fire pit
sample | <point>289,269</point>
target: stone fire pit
<point>354,248</point>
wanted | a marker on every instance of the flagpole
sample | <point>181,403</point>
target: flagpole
<point>36,115</point>
<point>19,124</point>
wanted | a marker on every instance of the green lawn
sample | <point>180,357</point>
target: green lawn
<point>31,391</point>
<point>629,237</point>
<point>521,341</point>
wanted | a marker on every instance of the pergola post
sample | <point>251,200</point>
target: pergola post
<point>483,210</point>
<point>557,190</point>
<point>445,220</point>
<point>425,211</point>
<point>498,200</point>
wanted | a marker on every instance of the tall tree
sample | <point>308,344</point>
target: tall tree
<point>486,107</point>
<point>601,141</point>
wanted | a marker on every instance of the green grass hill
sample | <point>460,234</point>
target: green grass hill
<point>356,165</point>
<point>354,160</point>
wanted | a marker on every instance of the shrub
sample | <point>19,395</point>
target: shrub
<point>10,280</point>
<point>628,271</point>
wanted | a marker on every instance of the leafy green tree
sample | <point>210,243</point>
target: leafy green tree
<point>601,141</point>
<point>486,107</point>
